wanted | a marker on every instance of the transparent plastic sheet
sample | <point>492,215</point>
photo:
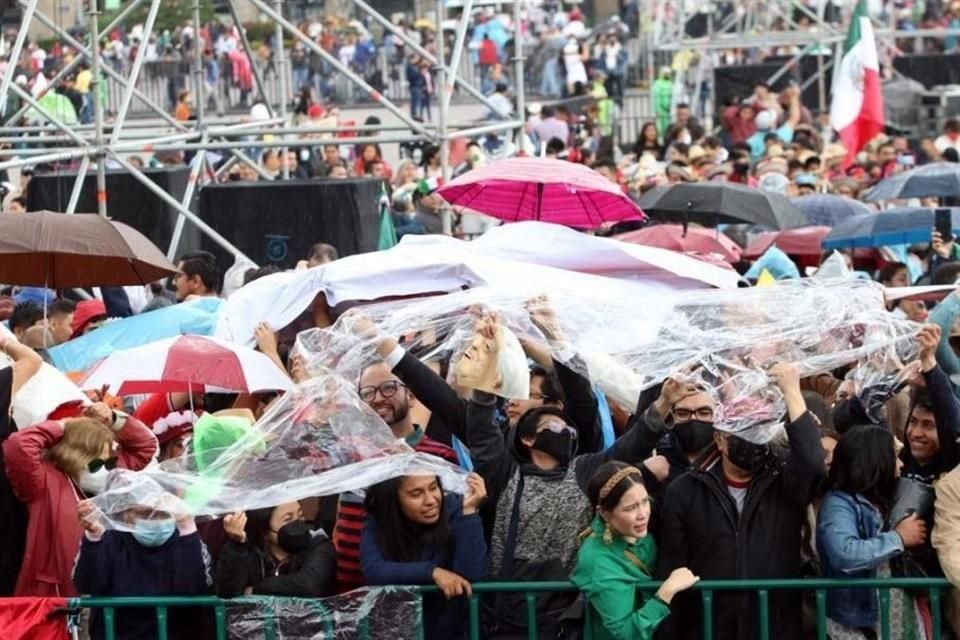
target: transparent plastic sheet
<point>374,612</point>
<point>723,340</point>
<point>318,439</point>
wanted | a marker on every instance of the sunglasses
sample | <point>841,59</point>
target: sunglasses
<point>96,464</point>
<point>387,389</point>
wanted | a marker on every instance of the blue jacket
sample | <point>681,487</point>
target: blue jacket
<point>118,565</point>
<point>467,557</point>
<point>851,545</point>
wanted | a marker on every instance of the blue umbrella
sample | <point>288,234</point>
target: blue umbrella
<point>198,316</point>
<point>824,209</point>
<point>906,225</point>
<point>937,180</point>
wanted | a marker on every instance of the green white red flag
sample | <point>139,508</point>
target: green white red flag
<point>856,110</point>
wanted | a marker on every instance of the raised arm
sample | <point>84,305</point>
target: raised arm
<point>805,467</point>
<point>945,407</point>
<point>23,454</point>
<point>26,361</point>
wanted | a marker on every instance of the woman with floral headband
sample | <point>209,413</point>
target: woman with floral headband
<point>618,555</point>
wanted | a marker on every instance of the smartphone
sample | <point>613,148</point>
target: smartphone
<point>943,224</point>
<point>907,160</point>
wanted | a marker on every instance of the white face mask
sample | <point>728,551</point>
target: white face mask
<point>93,483</point>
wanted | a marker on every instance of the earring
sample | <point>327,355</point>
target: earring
<point>607,533</point>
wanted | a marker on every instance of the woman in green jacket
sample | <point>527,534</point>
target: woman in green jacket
<point>617,556</point>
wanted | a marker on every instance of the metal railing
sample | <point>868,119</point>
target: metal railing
<point>708,588</point>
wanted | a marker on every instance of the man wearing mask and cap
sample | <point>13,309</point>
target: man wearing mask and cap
<point>737,514</point>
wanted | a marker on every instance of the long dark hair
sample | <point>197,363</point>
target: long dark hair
<point>865,463</point>
<point>399,539</point>
<point>600,478</point>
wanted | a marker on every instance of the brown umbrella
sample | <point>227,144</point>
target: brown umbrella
<point>57,250</point>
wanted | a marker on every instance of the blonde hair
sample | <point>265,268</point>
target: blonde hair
<point>83,440</point>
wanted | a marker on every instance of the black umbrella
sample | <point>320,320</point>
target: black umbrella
<point>937,180</point>
<point>711,203</point>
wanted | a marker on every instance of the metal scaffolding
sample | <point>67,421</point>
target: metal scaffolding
<point>92,145</point>
<point>666,26</point>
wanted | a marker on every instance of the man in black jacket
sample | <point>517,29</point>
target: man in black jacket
<point>738,516</point>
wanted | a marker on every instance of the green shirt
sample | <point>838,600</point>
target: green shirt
<point>609,579</point>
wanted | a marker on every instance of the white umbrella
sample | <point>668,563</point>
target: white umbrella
<point>187,362</point>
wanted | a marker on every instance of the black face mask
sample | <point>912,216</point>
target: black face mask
<point>294,537</point>
<point>746,455</point>
<point>557,445</point>
<point>693,436</point>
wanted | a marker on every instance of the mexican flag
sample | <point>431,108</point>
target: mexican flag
<point>856,111</point>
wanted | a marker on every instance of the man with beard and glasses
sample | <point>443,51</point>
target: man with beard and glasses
<point>737,515</point>
<point>391,399</point>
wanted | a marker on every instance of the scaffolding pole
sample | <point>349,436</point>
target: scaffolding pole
<point>93,17</point>
<point>279,69</point>
<point>429,57</point>
<point>339,66</point>
<point>518,60</point>
<point>198,161</point>
<point>254,69</point>
<point>446,213</point>
<point>78,185</point>
<point>173,202</point>
<point>134,75</point>
<point>14,58</point>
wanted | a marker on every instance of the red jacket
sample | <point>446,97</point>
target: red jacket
<point>488,53</point>
<point>53,535</point>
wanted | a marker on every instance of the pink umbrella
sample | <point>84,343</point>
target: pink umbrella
<point>695,240</point>
<point>187,362</point>
<point>542,189</point>
<point>804,241</point>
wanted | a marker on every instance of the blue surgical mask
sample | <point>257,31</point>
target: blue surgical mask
<point>153,533</point>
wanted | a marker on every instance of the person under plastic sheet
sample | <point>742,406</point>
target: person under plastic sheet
<point>931,432</point>
<point>738,514</point>
<point>552,383</point>
<point>162,555</point>
<point>383,392</point>
<point>853,541</point>
<point>53,466</point>
<point>272,551</point>
<point>618,554</point>
<point>416,534</point>
<point>13,515</point>
<point>536,482</point>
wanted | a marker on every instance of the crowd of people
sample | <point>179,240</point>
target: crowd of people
<point>550,496</point>
<point>633,503</point>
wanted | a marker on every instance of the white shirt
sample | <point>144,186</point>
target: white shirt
<point>944,142</point>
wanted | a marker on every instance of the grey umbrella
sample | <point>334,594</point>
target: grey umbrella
<point>711,203</point>
<point>937,180</point>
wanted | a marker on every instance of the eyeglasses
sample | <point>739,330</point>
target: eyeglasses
<point>704,414</point>
<point>387,389</point>
<point>96,464</point>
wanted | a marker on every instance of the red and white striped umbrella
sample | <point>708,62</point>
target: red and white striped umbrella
<point>187,362</point>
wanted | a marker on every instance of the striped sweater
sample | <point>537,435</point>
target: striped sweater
<point>351,514</point>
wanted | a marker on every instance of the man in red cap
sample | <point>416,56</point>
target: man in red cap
<point>89,315</point>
